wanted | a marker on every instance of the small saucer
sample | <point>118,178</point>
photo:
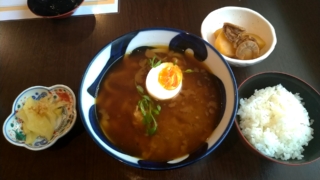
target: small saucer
<point>12,127</point>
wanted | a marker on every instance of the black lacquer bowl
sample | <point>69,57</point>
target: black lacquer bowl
<point>310,98</point>
<point>176,40</point>
<point>54,8</point>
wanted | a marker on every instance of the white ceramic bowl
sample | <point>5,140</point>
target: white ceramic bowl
<point>138,40</point>
<point>252,21</point>
<point>12,126</point>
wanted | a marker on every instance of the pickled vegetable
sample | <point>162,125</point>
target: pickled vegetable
<point>216,33</point>
<point>40,118</point>
<point>224,46</point>
<point>232,41</point>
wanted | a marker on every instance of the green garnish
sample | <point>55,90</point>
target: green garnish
<point>153,63</point>
<point>148,110</point>
<point>175,61</point>
<point>140,89</point>
<point>188,71</point>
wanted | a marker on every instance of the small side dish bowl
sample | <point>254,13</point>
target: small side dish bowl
<point>310,98</point>
<point>55,9</point>
<point>12,127</point>
<point>252,21</point>
<point>139,41</point>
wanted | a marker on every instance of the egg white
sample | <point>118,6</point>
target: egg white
<point>155,89</point>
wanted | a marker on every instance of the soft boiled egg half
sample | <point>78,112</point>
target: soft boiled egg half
<point>164,81</point>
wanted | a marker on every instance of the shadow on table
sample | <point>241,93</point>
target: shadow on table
<point>297,27</point>
<point>71,31</point>
<point>64,141</point>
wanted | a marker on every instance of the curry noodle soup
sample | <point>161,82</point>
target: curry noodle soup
<point>184,121</point>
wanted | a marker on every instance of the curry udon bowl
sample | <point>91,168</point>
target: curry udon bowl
<point>138,42</point>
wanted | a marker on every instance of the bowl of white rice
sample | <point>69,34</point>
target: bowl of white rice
<point>279,118</point>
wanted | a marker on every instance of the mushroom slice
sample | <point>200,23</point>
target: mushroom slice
<point>246,47</point>
<point>232,32</point>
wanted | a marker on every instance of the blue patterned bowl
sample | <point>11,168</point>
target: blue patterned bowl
<point>174,39</point>
<point>12,126</point>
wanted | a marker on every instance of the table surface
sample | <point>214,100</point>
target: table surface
<point>47,52</point>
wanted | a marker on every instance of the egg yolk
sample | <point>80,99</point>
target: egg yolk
<point>170,77</point>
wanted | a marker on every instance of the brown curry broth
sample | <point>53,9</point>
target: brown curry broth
<point>184,123</point>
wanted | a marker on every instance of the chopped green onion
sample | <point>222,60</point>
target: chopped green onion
<point>159,107</point>
<point>154,64</point>
<point>148,110</point>
<point>146,97</point>
<point>175,62</point>
<point>157,64</point>
<point>188,71</point>
<point>140,89</point>
<point>155,111</point>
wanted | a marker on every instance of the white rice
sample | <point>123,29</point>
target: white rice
<point>275,122</point>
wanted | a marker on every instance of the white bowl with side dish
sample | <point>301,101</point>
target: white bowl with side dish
<point>251,20</point>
